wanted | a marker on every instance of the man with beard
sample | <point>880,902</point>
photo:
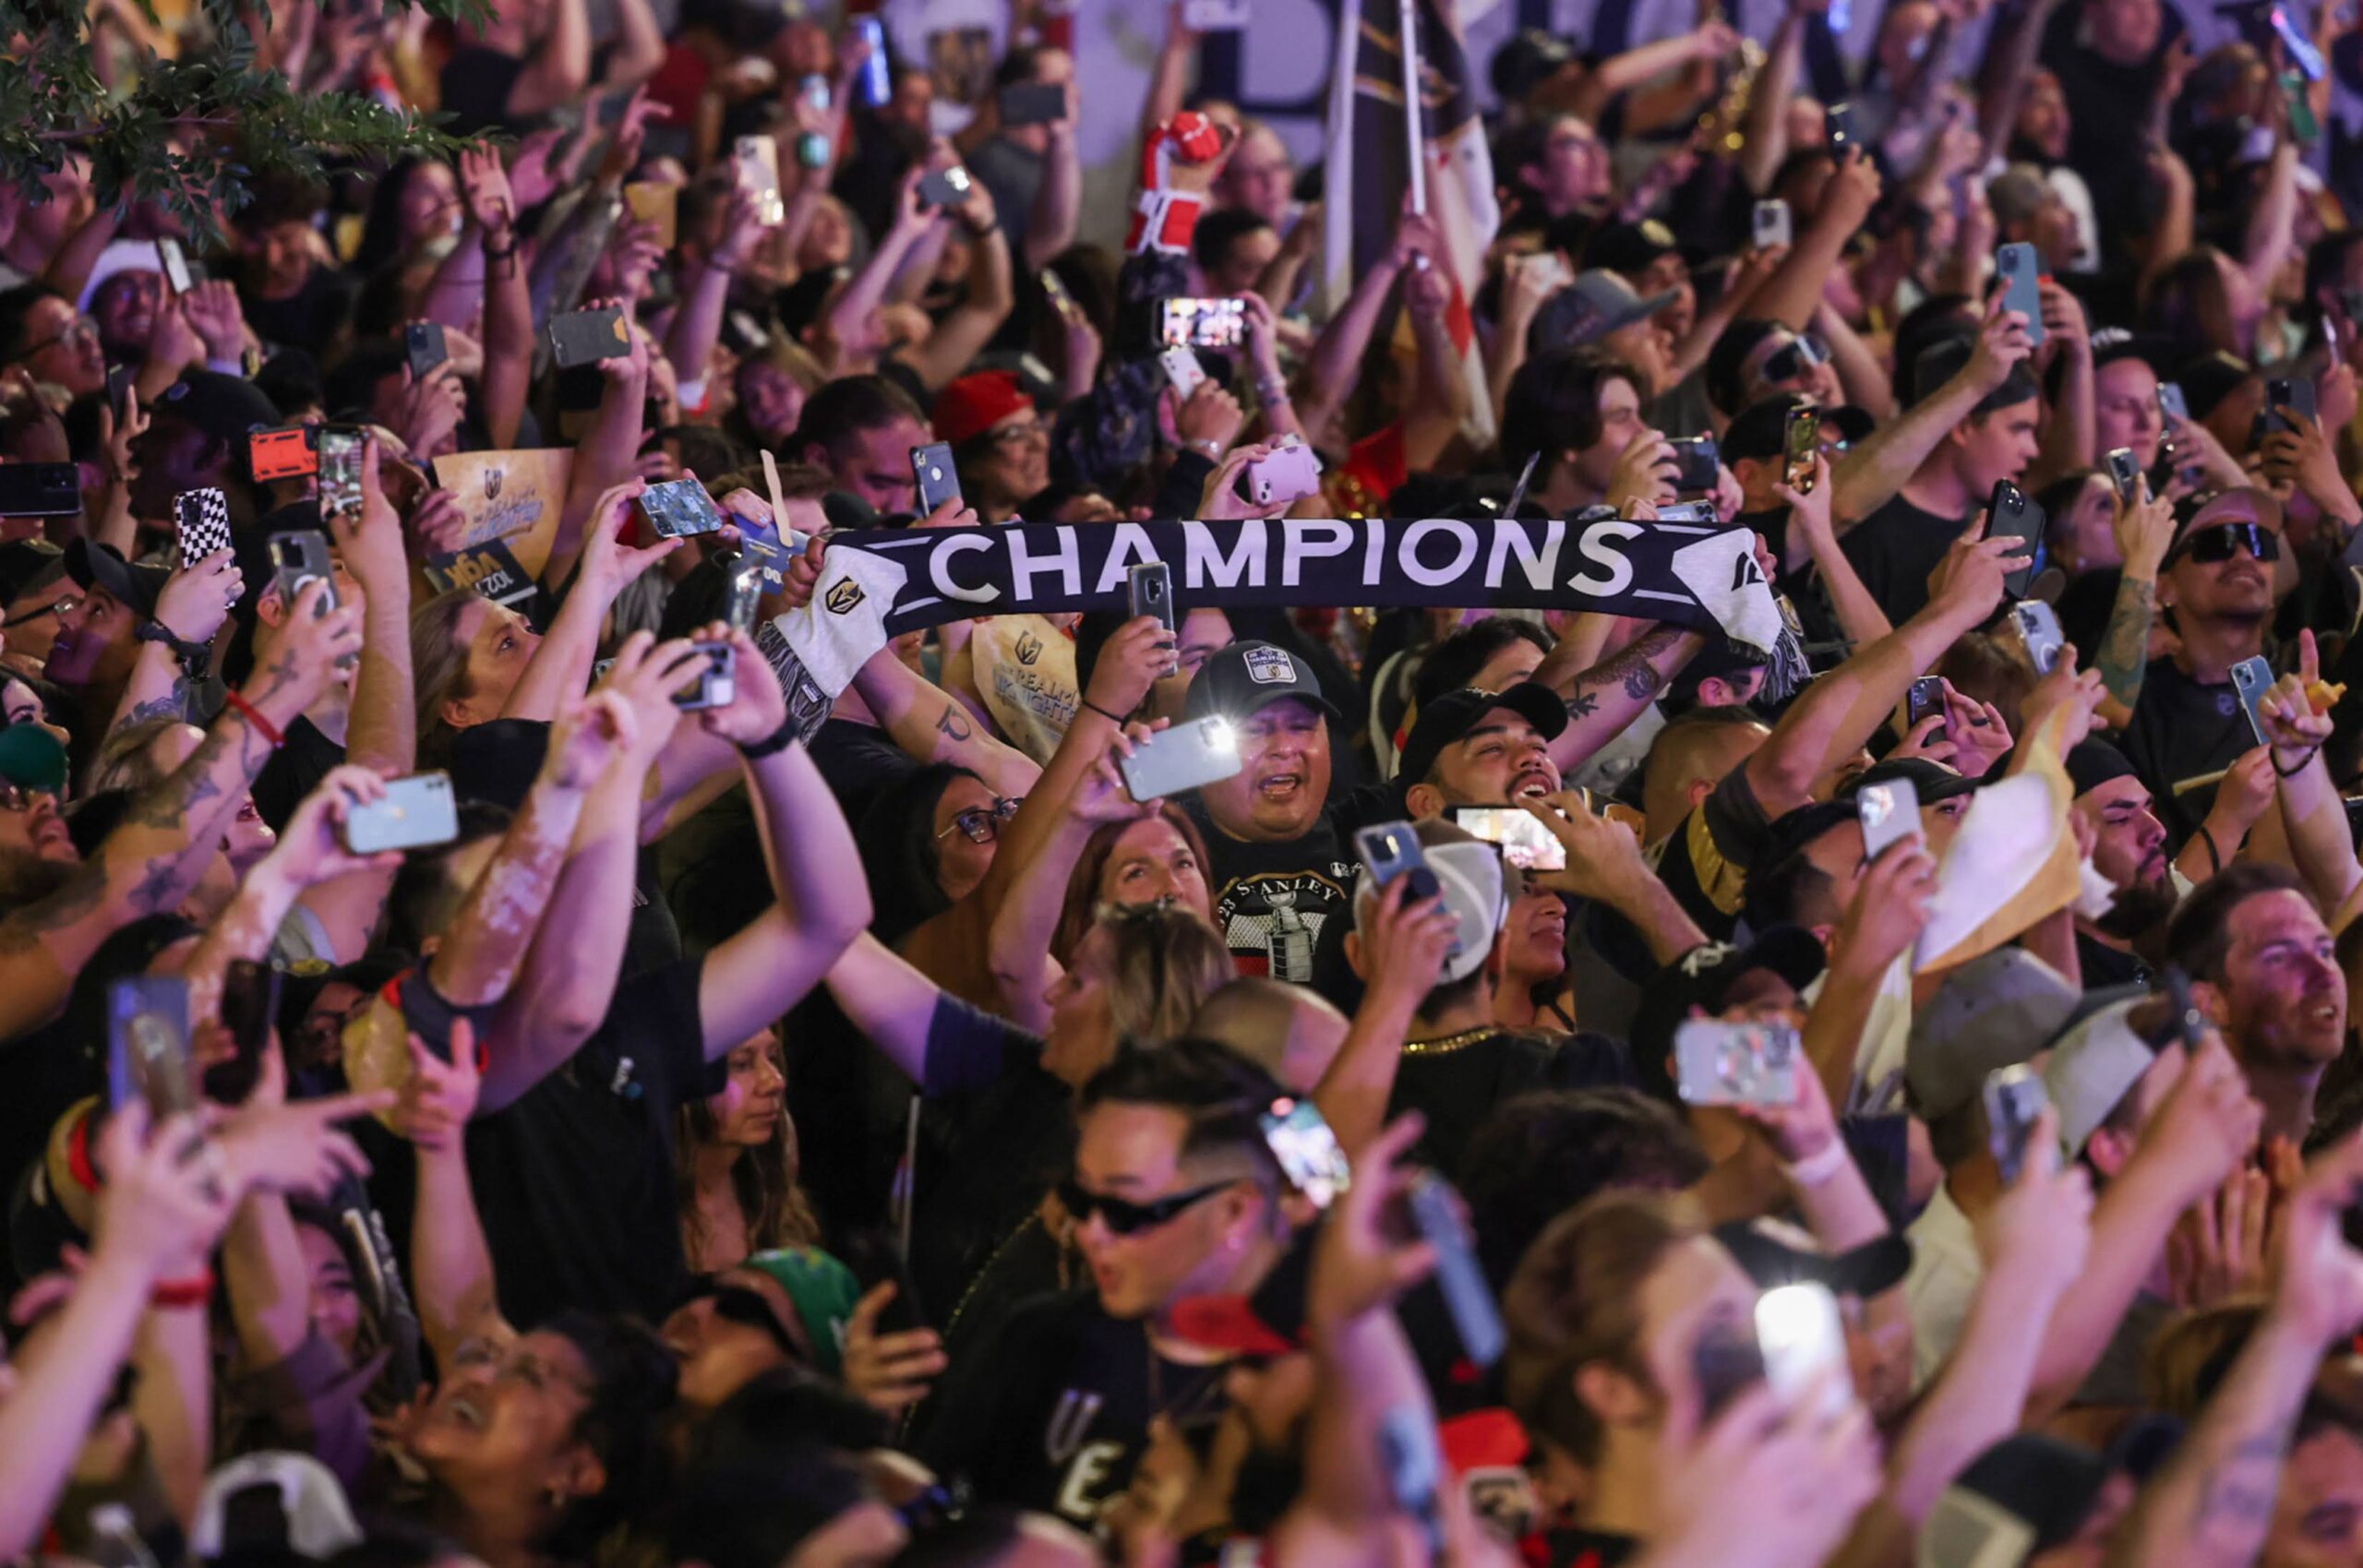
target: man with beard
<point>2261,965</point>
<point>2187,721</point>
<point>2130,849</point>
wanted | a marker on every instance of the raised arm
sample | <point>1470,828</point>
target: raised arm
<point>558,70</point>
<point>992,293</point>
<point>1057,204</point>
<point>822,897</point>
<point>450,1265</point>
<point>1790,294</point>
<point>1400,958</point>
<point>932,726</point>
<point>697,324</point>
<point>1859,616</point>
<point>604,459</point>
<point>1871,474</point>
<point>560,668</point>
<point>508,305</point>
<point>1605,699</point>
<point>1765,131</point>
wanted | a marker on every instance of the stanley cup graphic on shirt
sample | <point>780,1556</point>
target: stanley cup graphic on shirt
<point>1289,940</point>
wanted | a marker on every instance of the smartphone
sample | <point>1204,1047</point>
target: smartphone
<point>175,263</point>
<point>2020,272</point>
<point>1771,226</point>
<point>417,813</point>
<point>1734,1064</point>
<point>1724,1363</point>
<point>1801,446</point>
<point>945,188</point>
<point>1802,1337</point>
<point>2252,679</point>
<point>939,479</point>
<point>1526,841</point>
<point>1055,289</point>
<point>1922,698</point>
<point>717,683</point>
<point>2302,53</point>
<point>680,508</point>
<point>1890,812</point>
<point>1698,465</point>
<point>200,524</point>
<point>249,1004</point>
<point>1288,474</point>
<point>1182,758</point>
<point>2172,404</point>
<point>297,558</point>
<point>148,1055</point>
<point>1435,1214</point>
<point>1413,1457</point>
<point>1688,511</point>
<point>2125,473</point>
<point>655,203</point>
<point>1201,323</point>
<point>2189,1023</point>
<point>877,81</point>
<point>2014,1098</point>
<point>339,469</point>
<point>1149,586</point>
<point>291,453</point>
<point>1181,372</point>
<point>119,379</point>
<point>40,489</point>
<point>2279,393</point>
<point>1033,103</point>
<point>2038,627</point>
<point>814,89</point>
<point>1837,126</point>
<point>875,1257</point>
<point>756,158</point>
<point>1392,850</point>
<point>1307,1150</point>
<point>2011,512</point>
<point>586,336</point>
<point>742,592</point>
<point>422,340</point>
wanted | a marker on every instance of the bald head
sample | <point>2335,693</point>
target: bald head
<point>1291,1032</point>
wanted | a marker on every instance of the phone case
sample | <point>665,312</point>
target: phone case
<point>1149,584</point>
<point>1699,464</point>
<point>40,489</point>
<point>1389,850</point>
<point>1466,1294</point>
<point>203,520</point>
<point>945,188</point>
<point>424,341</point>
<point>148,1056</point>
<point>1182,758</point>
<point>175,264</point>
<point>2125,472</point>
<point>742,592</point>
<point>1734,1064</point>
<point>1771,226</point>
<point>1033,103</point>
<point>1923,697</point>
<point>2038,626</point>
<point>1182,370</point>
<point>653,201</point>
<point>2171,403</point>
<point>2012,511</point>
<point>1802,1337</point>
<point>2014,1098</point>
<point>939,478</point>
<point>417,813</point>
<point>718,684</point>
<point>296,558</point>
<point>758,161</point>
<point>680,508</point>
<point>585,337</point>
<point>1890,811</point>
<point>284,454</point>
<point>2021,289</point>
<point>2252,679</point>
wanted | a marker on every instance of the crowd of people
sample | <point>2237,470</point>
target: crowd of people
<point>489,1079</point>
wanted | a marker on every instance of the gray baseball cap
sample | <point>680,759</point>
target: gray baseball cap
<point>1997,1011</point>
<point>2093,1067</point>
<point>1596,303</point>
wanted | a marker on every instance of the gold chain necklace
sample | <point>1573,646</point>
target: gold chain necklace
<point>1445,1044</point>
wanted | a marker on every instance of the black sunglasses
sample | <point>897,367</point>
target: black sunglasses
<point>737,1304</point>
<point>1123,1218</point>
<point>2222,541</point>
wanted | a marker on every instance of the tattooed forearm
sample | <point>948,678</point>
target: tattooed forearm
<point>1631,668</point>
<point>174,704</point>
<point>952,726</point>
<point>168,805</point>
<point>82,893</point>
<point>2239,1494</point>
<point>2124,646</point>
<point>159,890</point>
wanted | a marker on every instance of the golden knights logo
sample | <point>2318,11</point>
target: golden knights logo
<point>841,599</point>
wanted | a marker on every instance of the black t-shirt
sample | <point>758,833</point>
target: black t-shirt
<point>294,771</point>
<point>575,1180</point>
<point>313,317</point>
<point>1894,549</point>
<point>1271,899</point>
<point>1054,1413</point>
<point>1704,862</point>
<point>1006,1130</point>
<point>2104,966</point>
<point>477,82</point>
<point>1799,579</point>
<point>2110,99</point>
<point>857,761</point>
<point>48,1068</point>
<point>2182,729</point>
<point>1589,1548</point>
<point>1457,1088</point>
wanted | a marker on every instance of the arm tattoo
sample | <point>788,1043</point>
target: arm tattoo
<point>1629,667</point>
<point>952,726</point>
<point>174,704</point>
<point>159,890</point>
<point>1582,705</point>
<point>2124,646</point>
<point>2239,1493</point>
<point>84,891</point>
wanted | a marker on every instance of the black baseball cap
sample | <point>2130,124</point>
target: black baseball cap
<point>1445,721</point>
<point>1702,978</point>
<point>1772,1259</point>
<point>102,567</point>
<point>1943,359</point>
<point>1527,61</point>
<point>1929,778</point>
<point>1761,429</point>
<point>1246,677</point>
<point>228,408</point>
<point>1630,249</point>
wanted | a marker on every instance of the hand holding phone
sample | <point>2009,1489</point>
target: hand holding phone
<point>1182,758</point>
<point>939,478</point>
<point>2015,1097</point>
<point>2021,271</point>
<point>416,812</point>
<point>1890,812</point>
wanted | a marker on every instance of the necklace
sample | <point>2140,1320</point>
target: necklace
<point>1444,1045</point>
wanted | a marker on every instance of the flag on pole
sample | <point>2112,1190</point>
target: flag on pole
<point>1374,138</point>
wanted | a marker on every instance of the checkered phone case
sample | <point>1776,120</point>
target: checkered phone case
<point>204,523</point>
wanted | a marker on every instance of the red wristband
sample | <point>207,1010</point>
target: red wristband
<point>271,731</point>
<point>173,1295</point>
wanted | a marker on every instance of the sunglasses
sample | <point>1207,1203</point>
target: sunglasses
<point>1123,1218</point>
<point>737,1304</point>
<point>22,797</point>
<point>982,823</point>
<point>2221,542</point>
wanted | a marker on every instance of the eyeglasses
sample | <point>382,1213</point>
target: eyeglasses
<point>60,608</point>
<point>82,330</point>
<point>516,1361</point>
<point>1123,1218</point>
<point>982,823</point>
<point>2209,546</point>
<point>1019,435</point>
<point>22,797</point>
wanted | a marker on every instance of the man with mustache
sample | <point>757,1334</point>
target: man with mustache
<point>2188,723</point>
